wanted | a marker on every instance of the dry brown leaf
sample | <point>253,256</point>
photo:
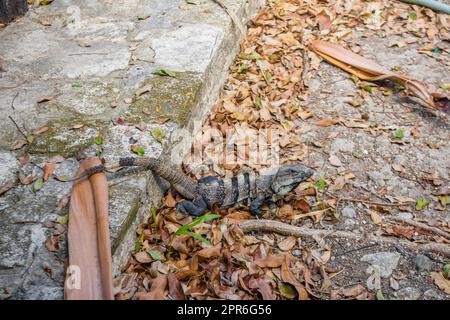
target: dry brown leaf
<point>286,211</point>
<point>271,261</point>
<point>403,231</point>
<point>210,252</point>
<point>287,243</point>
<point>52,243</point>
<point>24,159</point>
<point>366,69</point>
<point>141,91</point>
<point>441,282</point>
<point>49,168</point>
<point>25,180</point>
<point>143,257</point>
<point>302,205</point>
<point>353,291</point>
<point>7,185</point>
<point>40,130</point>
<point>175,289</point>
<point>170,201</point>
<point>375,217</point>
<point>323,20</point>
<point>45,99</point>
<point>18,144</point>
<point>356,124</point>
<point>62,203</point>
<point>263,287</point>
<point>334,161</point>
<point>156,290</point>
<point>56,159</point>
<point>326,122</point>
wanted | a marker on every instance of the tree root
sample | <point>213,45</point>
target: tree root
<point>422,226</point>
<point>287,229</point>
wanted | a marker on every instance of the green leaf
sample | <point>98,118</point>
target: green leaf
<point>164,72</point>
<point>436,51</point>
<point>367,88</point>
<point>444,200</point>
<point>139,151</point>
<point>267,75</point>
<point>421,203</point>
<point>99,153</point>
<point>99,140</point>
<point>183,229</point>
<point>154,224</point>
<point>156,255</point>
<point>197,221</point>
<point>138,244</point>
<point>158,134</point>
<point>30,138</point>
<point>194,235</point>
<point>320,184</point>
<point>45,2</point>
<point>76,85</point>
<point>37,185</point>
<point>380,295</point>
<point>242,69</point>
<point>355,79</point>
<point>62,178</point>
<point>445,86</point>
<point>446,271</point>
<point>399,133</point>
<point>258,101</point>
<point>63,220</point>
<point>412,15</point>
<point>287,290</point>
<point>143,17</point>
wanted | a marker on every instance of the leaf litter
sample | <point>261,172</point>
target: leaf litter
<point>178,257</point>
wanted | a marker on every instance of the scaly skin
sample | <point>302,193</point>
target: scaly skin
<point>213,191</point>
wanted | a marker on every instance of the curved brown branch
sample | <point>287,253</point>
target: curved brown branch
<point>287,229</point>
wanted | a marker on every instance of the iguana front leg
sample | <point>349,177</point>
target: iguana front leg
<point>256,204</point>
<point>195,207</point>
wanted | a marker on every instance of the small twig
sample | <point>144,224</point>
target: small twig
<point>357,249</point>
<point>421,225</point>
<point>87,53</point>
<point>287,229</point>
<point>305,70</point>
<point>336,274</point>
<point>310,214</point>
<point>14,99</point>
<point>372,203</point>
<point>17,126</point>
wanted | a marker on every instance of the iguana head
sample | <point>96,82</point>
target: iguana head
<point>289,177</point>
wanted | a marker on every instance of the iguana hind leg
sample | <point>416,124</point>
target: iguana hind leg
<point>195,207</point>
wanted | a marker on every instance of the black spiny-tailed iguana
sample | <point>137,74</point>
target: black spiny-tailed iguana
<point>213,191</point>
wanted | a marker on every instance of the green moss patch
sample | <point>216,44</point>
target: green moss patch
<point>171,98</point>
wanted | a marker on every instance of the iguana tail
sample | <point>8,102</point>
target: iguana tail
<point>177,179</point>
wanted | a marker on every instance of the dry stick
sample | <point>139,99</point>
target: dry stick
<point>421,225</point>
<point>17,126</point>
<point>373,203</point>
<point>287,229</point>
<point>304,83</point>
